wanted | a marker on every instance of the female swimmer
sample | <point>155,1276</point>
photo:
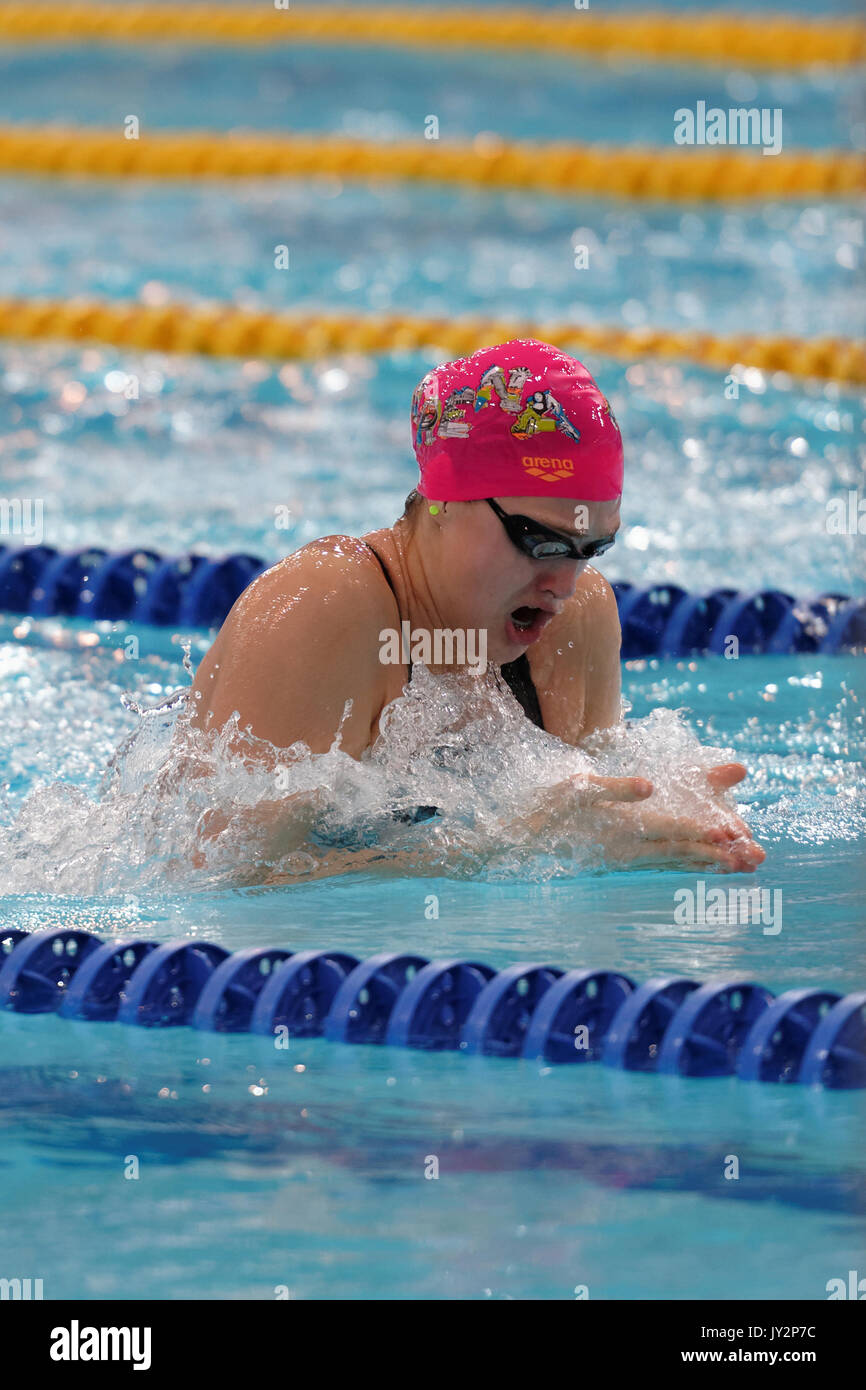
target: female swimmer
<point>521,471</point>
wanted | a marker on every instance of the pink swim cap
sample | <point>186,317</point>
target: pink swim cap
<point>518,420</point>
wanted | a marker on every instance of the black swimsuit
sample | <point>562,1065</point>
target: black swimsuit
<point>517,676</point>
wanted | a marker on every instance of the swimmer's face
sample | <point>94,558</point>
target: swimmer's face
<point>489,582</point>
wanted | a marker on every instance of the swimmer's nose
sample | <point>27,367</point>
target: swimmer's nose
<point>561,580</point>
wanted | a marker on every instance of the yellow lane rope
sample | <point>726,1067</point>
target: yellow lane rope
<point>223,330</point>
<point>681,172</point>
<point>715,37</point>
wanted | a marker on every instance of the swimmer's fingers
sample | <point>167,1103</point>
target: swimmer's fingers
<point>733,840</point>
<point>741,856</point>
<point>725,775</point>
<point>589,791</point>
<point>657,825</point>
<point>693,854</point>
<point>736,829</point>
<point>721,779</point>
<point>576,793</point>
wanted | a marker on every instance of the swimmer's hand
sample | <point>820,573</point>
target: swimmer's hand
<point>721,778</point>
<point>633,834</point>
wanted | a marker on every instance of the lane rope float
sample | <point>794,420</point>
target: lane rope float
<point>669,173</point>
<point>194,591</point>
<point>678,1026</point>
<point>779,1039</point>
<point>224,330</point>
<point>764,40</point>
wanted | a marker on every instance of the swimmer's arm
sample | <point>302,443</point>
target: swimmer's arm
<point>298,645</point>
<point>602,707</point>
<point>601,639</point>
<point>584,690</point>
<point>272,828</point>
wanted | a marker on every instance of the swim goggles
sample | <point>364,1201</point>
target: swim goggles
<point>542,543</point>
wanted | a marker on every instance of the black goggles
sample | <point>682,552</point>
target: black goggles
<point>541,543</point>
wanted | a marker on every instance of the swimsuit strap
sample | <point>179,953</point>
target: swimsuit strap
<point>517,674</point>
<point>384,569</point>
<point>518,677</point>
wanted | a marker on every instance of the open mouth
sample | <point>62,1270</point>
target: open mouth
<point>526,624</point>
<point>523,618</point>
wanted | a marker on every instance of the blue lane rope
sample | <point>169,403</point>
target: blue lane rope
<point>727,1027</point>
<point>193,591</point>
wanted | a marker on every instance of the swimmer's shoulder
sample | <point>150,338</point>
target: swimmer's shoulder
<point>589,619</point>
<point>337,577</point>
<point>594,604</point>
<point>299,643</point>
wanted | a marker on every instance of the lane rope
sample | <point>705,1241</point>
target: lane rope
<point>225,330</point>
<point>771,41</point>
<point>197,591</point>
<point>673,1025</point>
<point>679,173</point>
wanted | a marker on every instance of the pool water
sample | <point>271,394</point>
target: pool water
<point>304,1171</point>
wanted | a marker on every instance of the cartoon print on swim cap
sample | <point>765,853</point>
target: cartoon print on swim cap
<point>608,411</point>
<point>509,396</point>
<point>453,424</point>
<point>519,418</point>
<point>543,412</point>
<point>426,411</point>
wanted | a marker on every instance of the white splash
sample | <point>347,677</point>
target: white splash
<point>178,806</point>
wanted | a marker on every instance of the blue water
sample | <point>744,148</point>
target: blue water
<point>522,96</point>
<point>305,1169</point>
<point>791,267</point>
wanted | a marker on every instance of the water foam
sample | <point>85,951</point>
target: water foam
<point>178,807</point>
